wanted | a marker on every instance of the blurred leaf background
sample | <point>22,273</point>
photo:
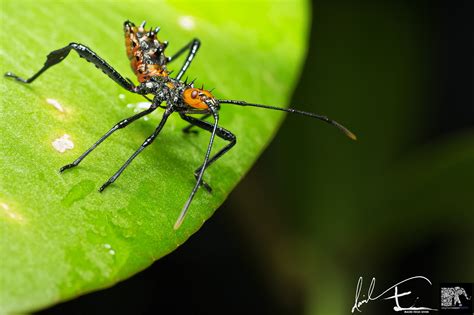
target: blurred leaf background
<point>317,211</point>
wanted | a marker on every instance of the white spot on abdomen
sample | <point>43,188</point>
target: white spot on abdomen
<point>62,144</point>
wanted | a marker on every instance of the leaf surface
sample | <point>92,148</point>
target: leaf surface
<point>60,237</point>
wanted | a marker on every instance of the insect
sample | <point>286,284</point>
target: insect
<point>149,63</point>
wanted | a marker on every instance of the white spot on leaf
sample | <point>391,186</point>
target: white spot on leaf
<point>186,22</point>
<point>111,251</point>
<point>121,96</point>
<point>139,107</point>
<point>10,213</point>
<point>55,103</point>
<point>62,144</point>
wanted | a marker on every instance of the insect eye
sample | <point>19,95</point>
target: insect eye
<point>194,94</point>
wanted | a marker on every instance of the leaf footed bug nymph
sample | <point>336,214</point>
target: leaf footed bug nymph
<point>149,63</point>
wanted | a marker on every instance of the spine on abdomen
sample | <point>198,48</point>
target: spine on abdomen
<point>145,52</point>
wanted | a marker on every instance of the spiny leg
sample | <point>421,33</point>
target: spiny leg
<point>221,133</point>
<point>121,124</point>
<point>59,55</point>
<point>146,143</point>
<point>193,47</point>
<point>188,128</point>
<point>181,216</point>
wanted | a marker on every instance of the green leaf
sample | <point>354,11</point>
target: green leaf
<point>61,238</point>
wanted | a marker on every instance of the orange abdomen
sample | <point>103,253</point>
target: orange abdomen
<point>144,63</point>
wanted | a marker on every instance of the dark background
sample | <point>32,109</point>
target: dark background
<point>317,211</point>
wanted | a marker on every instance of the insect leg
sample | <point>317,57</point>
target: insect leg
<point>193,47</point>
<point>146,143</point>
<point>84,52</point>
<point>187,129</point>
<point>181,216</point>
<point>221,133</point>
<point>121,124</point>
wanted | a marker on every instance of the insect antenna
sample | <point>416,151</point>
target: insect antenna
<point>346,131</point>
